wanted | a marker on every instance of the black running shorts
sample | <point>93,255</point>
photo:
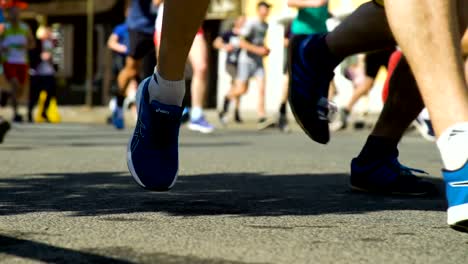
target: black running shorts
<point>377,59</point>
<point>141,44</point>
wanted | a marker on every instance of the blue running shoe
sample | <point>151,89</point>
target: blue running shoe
<point>201,125</point>
<point>457,197</point>
<point>153,150</point>
<point>389,177</point>
<point>118,118</point>
<point>185,115</point>
<point>311,71</point>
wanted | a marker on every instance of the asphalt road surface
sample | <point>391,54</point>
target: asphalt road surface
<point>242,197</point>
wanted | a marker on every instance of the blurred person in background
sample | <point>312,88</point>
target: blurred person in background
<point>119,43</point>
<point>283,122</point>
<point>229,41</point>
<point>140,22</point>
<point>373,61</point>
<point>250,63</point>
<point>42,72</point>
<point>198,59</point>
<point>4,124</point>
<point>17,41</point>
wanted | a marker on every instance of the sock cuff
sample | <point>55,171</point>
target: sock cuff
<point>449,132</point>
<point>453,146</point>
<point>167,83</point>
<point>196,113</point>
<point>165,91</point>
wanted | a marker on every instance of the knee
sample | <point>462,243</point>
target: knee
<point>200,69</point>
<point>243,89</point>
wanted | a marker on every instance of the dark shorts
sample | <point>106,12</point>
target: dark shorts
<point>118,63</point>
<point>17,72</point>
<point>377,59</point>
<point>141,44</point>
<point>379,2</point>
<point>44,83</point>
<point>231,69</point>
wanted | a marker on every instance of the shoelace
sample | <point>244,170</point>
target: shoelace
<point>326,109</point>
<point>407,171</point>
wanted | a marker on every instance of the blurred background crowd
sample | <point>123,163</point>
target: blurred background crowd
<point>70,52</point>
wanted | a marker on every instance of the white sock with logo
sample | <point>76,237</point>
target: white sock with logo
<point>166,92</point>
<point>453,146</point>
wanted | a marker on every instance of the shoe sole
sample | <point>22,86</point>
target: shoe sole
<point>361,190</point>
<point>457,217</point>
<point>130,166</point>
<point>266,125</point>
<point>223,120</point>
<point>200,129</point>
<point>319,139</point>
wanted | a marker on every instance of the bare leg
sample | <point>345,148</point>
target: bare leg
<point>285,92</point>
<point>466,69</point>
<point>129,72</point>
<point>198,57</point>
<point>241,88</point>
<point>15,93</point>
<point>361,90</point>
<point>131,92</point>
<point>237,104</point>
<point>261,97</point>
<point>440,78</point>
<point>332,91</point>
<point>178,31</point>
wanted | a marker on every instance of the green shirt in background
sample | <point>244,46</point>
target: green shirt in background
<point>310,20</point>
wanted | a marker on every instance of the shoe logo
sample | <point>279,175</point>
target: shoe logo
<point>456,132</point>
<point>459,184</point>
<point>138,134</point>
<point>159,110</point>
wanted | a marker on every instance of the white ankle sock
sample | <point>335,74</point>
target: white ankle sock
<point>167,92</point>
<point>453,146</point>
<point>196,113</point>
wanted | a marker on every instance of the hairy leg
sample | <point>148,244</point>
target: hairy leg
<point>438,71</point>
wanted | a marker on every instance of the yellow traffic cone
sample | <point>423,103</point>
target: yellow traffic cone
<point>52,113</point>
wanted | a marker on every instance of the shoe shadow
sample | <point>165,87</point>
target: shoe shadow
<point>242,194</point>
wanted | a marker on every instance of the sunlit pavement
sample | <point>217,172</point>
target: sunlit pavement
<point>243,196</point>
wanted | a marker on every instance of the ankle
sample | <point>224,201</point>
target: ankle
<point>376,148</point>
<point>165,91</point>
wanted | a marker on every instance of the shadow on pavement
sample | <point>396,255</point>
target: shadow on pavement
<point>243,194</point>
<point>48,253</point>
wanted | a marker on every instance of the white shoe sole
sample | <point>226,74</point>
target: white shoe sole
<point>457,214</point>
<point>200,129</point>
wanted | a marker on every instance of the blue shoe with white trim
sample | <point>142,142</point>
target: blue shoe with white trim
<point>153,150</point>
<point>118,118</point>
<point>457,197</point>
